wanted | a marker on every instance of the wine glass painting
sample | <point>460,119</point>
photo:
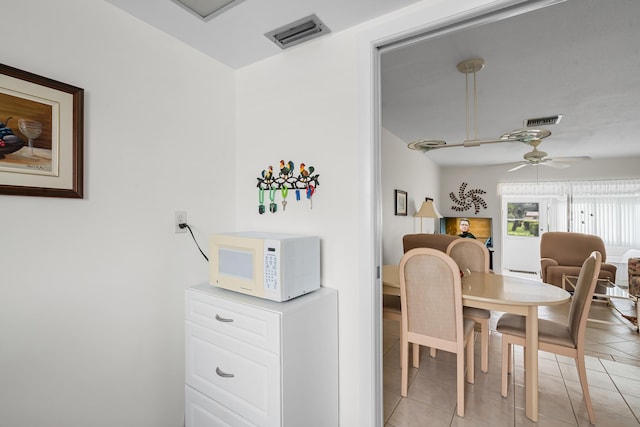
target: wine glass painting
<point>31,123</point>
<point>41,135</point>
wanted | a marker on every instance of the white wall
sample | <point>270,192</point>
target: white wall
<point>415,173</point>
<point>486,178</point>
<point>91,290</point>
<point>311,103</point>
<point>300,106</point>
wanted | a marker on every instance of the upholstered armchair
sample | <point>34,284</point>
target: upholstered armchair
<point>564,252</point>
<point>436,241</point>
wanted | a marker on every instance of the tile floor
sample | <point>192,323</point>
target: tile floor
<point>613,371</point>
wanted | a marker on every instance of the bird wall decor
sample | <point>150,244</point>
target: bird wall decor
<point>285,180</point>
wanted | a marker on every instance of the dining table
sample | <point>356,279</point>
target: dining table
<point>509,294</point>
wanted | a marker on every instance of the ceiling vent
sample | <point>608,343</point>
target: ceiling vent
<point>543,121</point>
<point>207,9</point>
<point>298,32</point>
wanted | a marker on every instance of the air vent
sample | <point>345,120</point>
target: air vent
<point>298,32</point>
<point>543,121</point>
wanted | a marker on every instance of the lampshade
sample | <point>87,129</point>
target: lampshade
<point>428,210</point>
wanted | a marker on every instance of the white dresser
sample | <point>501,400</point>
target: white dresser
<point>254,362</point>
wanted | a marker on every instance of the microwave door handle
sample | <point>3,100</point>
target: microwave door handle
<point>222,319</point>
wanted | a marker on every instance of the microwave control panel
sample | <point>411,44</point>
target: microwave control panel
<point>271,265</point>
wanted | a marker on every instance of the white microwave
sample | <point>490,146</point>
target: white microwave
<point>273,266</point>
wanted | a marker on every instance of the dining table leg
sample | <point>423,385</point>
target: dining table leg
<point>531,364</point>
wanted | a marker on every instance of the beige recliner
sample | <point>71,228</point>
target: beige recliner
<point>564,252</point>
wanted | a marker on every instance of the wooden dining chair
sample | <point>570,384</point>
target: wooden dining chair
<point>555,337</point>
<point>473,255</point>
<point>431,298</point>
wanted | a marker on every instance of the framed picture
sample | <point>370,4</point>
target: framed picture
<point>41,136</point>
<point>401,203</point>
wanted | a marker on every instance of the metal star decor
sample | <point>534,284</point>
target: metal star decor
<point>466,200</point>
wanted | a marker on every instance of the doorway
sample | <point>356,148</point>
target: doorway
<point>403,31</point>
<point>524,220</point>
<point>522,223</point>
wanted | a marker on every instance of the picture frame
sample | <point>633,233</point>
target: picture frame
<point>401,203</point>
<point>41,136</point>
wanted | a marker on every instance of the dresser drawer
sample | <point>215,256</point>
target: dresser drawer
<point>239,376</point>
<point>201,411</point>
<point>254,326</point>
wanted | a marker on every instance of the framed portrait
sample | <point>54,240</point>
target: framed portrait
<point>401,203</point>
<point>41,136</point>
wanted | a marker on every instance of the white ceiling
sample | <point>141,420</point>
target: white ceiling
<point>580,58</point>
<point>236,37</point>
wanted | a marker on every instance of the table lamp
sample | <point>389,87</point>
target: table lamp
<point>427,210</point>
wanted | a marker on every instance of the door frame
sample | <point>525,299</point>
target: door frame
<point>409,25</point>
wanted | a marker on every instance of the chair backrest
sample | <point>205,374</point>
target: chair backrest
<point>583,295</point>
<point>431,294</point>
<point>570,248</point>
<point>469,253</point>
<point>424,240</point>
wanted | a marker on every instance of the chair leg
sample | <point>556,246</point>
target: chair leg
<point>401,347</point>
<point>582,374</point>
<point>416,355</point>
<point>404,363</point>
<point>484,345</point>
<point>460,383</point>
<point>432,352</point>
<point>471,374</point>
<point>506,364</point>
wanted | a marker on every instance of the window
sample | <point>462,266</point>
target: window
<point>523,219</point>
<point>609,209</point>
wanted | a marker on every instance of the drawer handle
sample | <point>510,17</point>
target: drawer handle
<point>222,319</point>
<point>223,374</point>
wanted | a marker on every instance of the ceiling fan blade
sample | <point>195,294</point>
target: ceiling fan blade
<point>520,166</point>
<point>570,159</point>
<point>553,164</point>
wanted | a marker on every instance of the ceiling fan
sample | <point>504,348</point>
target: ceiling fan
<point>537,157</point>
<point>471,67</point>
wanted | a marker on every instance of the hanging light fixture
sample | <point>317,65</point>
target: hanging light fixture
<point>467,67</point>
<point>470,68</point>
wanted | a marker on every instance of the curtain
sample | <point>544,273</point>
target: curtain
<point>533,188</point>
<point>609,209</point>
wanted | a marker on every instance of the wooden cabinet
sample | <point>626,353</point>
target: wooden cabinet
<point>255,362</point>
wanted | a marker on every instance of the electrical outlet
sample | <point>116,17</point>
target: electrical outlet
<point>180,218</point>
